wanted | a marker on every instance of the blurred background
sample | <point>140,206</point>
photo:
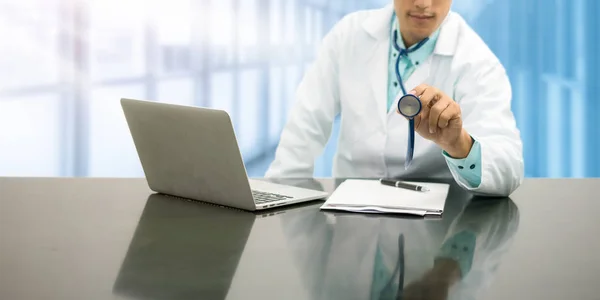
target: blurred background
<point>65,64</point>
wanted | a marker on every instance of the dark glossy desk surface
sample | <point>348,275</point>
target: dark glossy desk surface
<point>109,239</point>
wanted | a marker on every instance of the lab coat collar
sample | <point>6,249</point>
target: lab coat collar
<point>378,26</point>
<point>378,23</point>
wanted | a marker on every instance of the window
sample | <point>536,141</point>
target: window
<point>30,136</point>
<point>176,51</point>
<point>174,35</point>
<point>290,22</point>
<point>221,32</point>
<point>276,104</point>
<point>249,122</point>
<point>308,25</point>
<point>292,78</point>
<point>276,20</point>
<point>111,148</point>
<point>221,89</point>
<point>30,36</point>
<point>176,91</point>
<point>117,39</point>
<point>317,28</point>
<point>247,27</point>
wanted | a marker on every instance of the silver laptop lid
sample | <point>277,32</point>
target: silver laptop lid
<point>189,152</point>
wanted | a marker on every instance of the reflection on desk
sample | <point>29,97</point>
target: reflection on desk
<point>190,250</point>
<point>183,250</point>
<point>187,250</point>
<point>84,238</point>
<point>361,257</point>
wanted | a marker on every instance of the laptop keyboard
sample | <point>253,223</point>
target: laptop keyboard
<point>264,197</point>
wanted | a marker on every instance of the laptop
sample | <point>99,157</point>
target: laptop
<point>192,152</point>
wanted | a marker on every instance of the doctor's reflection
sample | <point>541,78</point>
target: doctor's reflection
<point>360,257</point>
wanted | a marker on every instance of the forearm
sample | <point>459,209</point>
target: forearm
<point>445,271</point>
<point>461,147</point>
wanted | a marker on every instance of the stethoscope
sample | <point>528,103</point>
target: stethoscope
<point>408,105</point>
<point>399,269</point>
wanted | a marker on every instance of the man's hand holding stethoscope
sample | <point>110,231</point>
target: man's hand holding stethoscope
<point>437,118</point>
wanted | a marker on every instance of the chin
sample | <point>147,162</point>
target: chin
<point>421,30</point>
<point>419,34</point>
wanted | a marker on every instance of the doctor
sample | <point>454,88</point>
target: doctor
<point>367,63</point>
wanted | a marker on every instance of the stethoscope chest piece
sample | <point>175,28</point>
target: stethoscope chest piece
<point>409,106</point>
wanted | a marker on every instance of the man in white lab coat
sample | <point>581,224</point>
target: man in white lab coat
<point>366,63</point>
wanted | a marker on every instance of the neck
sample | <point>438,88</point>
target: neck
<point>408,41</point>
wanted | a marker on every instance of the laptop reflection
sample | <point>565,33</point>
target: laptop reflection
<point>183,250</point>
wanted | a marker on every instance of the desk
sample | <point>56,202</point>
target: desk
<point>83,238</point>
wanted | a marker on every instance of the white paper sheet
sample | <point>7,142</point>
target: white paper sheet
<point>370,196</point>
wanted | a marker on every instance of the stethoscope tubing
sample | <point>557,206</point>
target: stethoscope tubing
<point>411,121</point>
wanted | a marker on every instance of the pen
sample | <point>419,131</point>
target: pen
<point>400,184</point>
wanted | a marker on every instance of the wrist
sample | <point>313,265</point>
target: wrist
<point>447,270</point>
<point>461,147</point>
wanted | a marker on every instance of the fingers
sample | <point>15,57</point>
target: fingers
<point>450,117</point>
<point>428,96</point>
<point>438,110</point>
<point>445,117</point>
<point>455,121</point>
<point>418,119</point>
<point>435,115</point>
<point>418,91</point>
<point>425,93</point>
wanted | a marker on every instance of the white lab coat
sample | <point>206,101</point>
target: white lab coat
<point>349,78</point>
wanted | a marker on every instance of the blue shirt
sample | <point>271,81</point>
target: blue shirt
<point>469,168</point>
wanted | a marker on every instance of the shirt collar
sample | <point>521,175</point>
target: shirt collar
<point>420,54</point>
